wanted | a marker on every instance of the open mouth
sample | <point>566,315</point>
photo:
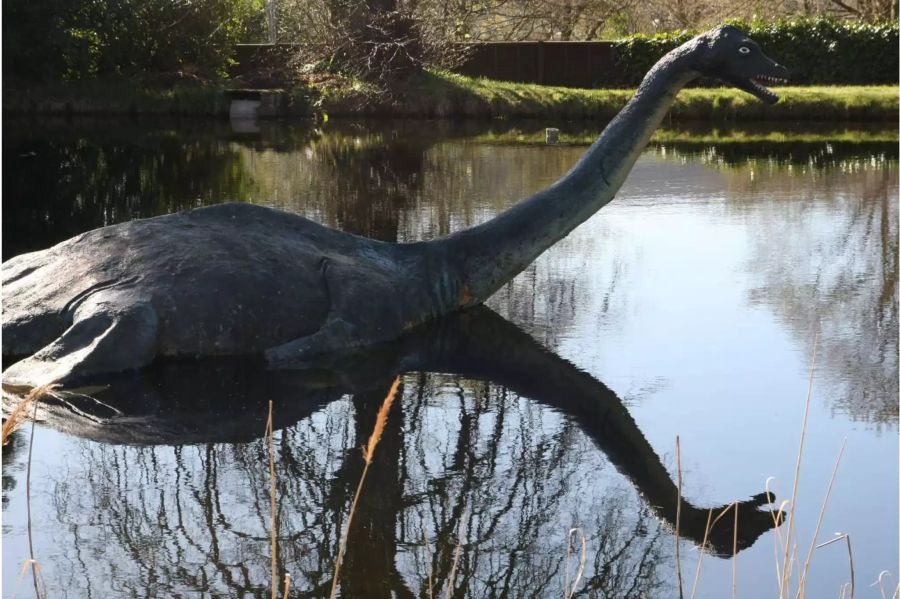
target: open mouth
<point>763,92</point>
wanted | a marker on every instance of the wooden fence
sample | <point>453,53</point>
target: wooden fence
<point>567,64</point>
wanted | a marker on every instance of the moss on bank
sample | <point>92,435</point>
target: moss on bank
<point>449,95</point>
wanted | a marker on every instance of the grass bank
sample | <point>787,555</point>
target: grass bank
<point>441,95</point>
<point>114,97</point>
<point>446,95</point>
<point>757,133</point>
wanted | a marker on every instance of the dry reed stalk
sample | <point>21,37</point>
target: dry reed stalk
<point>709,514</point>
<point>780,542</point>
<point>844,537</point>
<point>734,555</point>
<point>287,585</point>
<point>812,546</point>
<point>786,564</point>
<point>380,422</point>
<point>37,394</point>
<point>880,583</point>
<point>19,414</point>
<point>777,516</point>
<point>852,570</point>
<point>710,523</point>
<point>270,433</point>
<point>17,418</point>
<point>678,520</point>
<point>368,453</point>
<point>570,591</point>
<point>460,533</point>
<point>35,567</point>
<point>843,590</point>
<point>428,566</point>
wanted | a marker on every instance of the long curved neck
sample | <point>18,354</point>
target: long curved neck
<point>485,257</point>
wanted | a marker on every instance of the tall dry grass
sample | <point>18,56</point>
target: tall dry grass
<point>678,520</point>
<point>460,534</point>
<point>582,561</point>
<point>787,561</point>
<point>19,414</point>
<point>812,545</point>
<point>734,555</point>
<point>428,561</point>
<point>17,418</point>
<point>786,546</point>
<point>368,454</point>
<point>270,445</point>
<point>40,589</point>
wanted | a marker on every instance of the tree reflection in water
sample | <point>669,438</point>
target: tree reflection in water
<point>835,272</point>
<point>845,291</point>
<point>507,439</point>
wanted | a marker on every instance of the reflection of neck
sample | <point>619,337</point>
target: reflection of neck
<point>494,349</point>
<point>474,343</point>
<point>481,345</point>
<point>485,257</point>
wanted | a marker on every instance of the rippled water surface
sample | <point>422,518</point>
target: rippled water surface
<point>690,307</point>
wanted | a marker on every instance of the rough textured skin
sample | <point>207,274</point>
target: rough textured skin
<point>225,280</point>
<point>240,279</point>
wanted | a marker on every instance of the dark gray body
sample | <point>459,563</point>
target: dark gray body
<point>240,279</point>
<point>225,280</point>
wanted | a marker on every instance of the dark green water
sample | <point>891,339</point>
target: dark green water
<point>689,306</point>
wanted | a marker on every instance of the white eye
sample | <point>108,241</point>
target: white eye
<point>744,50</point>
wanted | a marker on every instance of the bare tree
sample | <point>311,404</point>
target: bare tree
<point>379,41</point>
<point>869,10</point>
<point>547,19</point>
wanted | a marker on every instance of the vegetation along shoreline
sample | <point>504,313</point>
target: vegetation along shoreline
<point>443,94</point>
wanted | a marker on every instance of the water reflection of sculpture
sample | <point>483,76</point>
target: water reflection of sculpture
<point>517,470</point>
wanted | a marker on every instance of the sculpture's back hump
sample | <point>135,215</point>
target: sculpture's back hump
<point>217,278</point>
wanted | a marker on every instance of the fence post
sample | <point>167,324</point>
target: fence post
<point>589,46</point>
<point>541,62</point>
<point>495,62</point>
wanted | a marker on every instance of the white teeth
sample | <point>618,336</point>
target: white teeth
<point>769,79</point>
<point>762,90</point>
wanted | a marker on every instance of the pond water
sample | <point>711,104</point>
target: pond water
<point>690,307</point>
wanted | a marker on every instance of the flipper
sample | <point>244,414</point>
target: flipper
<point>348,326</point>
<point>107,335</point>
<point>335,335</point>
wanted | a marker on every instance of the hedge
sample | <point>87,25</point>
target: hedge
<point>817,51</point>
<point>53,40</point>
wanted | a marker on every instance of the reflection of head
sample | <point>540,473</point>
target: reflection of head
<point>717,524</point>
<point>219,401</point>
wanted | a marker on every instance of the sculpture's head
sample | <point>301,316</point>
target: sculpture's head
<point>727,53</point>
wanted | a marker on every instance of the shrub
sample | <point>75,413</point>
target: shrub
<point>818,50</point>
<point>48,40</point>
